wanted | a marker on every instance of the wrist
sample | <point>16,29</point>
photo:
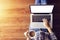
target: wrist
<point>49,29</point>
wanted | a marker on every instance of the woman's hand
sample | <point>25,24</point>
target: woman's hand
<point>47,25</point>
<point>26,34</point>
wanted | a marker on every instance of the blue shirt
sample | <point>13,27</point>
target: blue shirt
<point>44,35</point>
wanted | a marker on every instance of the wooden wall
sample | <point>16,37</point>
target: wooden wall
<point>14,19</point>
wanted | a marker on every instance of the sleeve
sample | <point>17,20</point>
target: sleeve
<point>53,37</point>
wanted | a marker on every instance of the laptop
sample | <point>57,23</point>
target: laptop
<point>38,12</point>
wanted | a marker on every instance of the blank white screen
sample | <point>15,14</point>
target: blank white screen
<point>42,9</point>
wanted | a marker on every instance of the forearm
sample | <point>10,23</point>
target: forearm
<point>49,30</point>
<point>53,37</point>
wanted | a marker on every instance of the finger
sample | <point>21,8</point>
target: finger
<point>26,34</point>
<point>45,20</point>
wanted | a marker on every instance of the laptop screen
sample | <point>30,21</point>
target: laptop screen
<point>41,8</point>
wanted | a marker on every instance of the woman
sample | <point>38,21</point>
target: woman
<point>51,34</point>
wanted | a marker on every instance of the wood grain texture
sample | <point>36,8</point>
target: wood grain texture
<point>14,19</point>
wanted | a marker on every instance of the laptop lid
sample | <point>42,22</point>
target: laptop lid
<point>41,8</point>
